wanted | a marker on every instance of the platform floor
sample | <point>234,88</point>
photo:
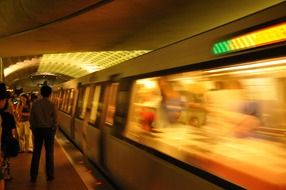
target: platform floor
<point>72,171</point>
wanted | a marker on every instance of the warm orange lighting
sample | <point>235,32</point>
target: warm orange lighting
<point>265,36</point>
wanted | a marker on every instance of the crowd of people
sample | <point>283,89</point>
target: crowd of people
<point>31,122</point>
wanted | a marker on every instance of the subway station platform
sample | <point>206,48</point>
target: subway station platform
<point>72,171</point>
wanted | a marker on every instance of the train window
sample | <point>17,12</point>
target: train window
<point>80,101</point>
<point>64,100</point>
<point>60,99</point>
<point>83,101</point>
<point>56,99</point>
<point>111,103</point>
<point>95,104</point>
<point>227,121</point>
<point>53,97</point>
<point>67,101</point>
<point>70,101</point>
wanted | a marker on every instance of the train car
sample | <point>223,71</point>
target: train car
<point>207,112</point>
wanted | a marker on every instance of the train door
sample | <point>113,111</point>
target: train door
<point>65,112</point>
<point>80,115</point>
<point>91,127</point>
<point>108,112</point>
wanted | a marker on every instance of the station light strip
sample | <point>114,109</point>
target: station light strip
<point>78,64</point>
<point>265,36</point>
<point>252,65</point>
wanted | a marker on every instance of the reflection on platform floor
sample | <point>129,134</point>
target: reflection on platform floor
<point>72,171</point>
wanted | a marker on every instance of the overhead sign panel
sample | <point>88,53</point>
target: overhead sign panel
<point>265,36</point>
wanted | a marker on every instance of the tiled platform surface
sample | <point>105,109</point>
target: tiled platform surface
<point>72,171</point>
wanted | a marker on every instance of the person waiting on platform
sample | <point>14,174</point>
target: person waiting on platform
<point>43,120</point>
<point>8,133</point>
<point>23,125</point>
<point>2,105</point>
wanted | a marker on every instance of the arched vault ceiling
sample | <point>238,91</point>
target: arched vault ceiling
<point>82,63</point>
<point>38,27</point>
<point>72,65</point>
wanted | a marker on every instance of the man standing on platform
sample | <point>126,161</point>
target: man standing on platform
<point>43,121</point>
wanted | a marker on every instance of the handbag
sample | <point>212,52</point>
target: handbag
<point>12,147</point>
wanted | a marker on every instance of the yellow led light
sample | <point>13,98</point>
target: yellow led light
<point>234,44</point>
<point>250,39</point>
<point>270,35</point>
<point>240,42</point>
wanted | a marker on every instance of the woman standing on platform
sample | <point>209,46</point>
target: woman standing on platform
<point>24,132</point>
<point>3,100</point>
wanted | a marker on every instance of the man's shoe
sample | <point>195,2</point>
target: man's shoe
<point>50,178</point>
<point>8,178</point>
<point>33,180</point>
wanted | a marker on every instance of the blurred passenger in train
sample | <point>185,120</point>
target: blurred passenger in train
<point>23,124</point>
<point>172,103</point>
<point>194,113</point>
<point>43,121</point>
<point>229,105</point>
<point>147,116</point>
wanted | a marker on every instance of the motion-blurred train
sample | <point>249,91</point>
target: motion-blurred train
<point>207,112</point>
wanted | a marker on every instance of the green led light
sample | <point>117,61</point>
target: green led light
<point>222,47</point>
<point>216,49</point>
<point>257,38</point>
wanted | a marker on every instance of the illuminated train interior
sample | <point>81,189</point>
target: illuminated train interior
<point>233,117</point>
<point>205,112</point>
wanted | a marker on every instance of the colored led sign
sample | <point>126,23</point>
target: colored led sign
<point>265,36</point>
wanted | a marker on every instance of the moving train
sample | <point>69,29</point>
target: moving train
<point>207,112</point>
